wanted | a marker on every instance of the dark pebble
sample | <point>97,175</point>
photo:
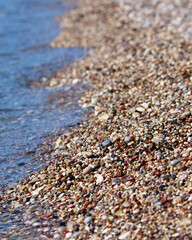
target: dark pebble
<point>21,164</point>
<point>16,212</point>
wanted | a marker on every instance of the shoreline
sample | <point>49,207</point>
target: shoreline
<point>125,173</point>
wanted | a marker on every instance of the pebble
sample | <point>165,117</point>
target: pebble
<point>87,170</point>
<point>185,154</point>
<point>158,139</point>
<point>104,117</point>
<point>176,235</point>
<point>135,115</point>
<point>140,109</point>
<point>99,178</point>
<point>87,220</point>
<point>71,225</point>
<point>47,229</point>
<point>68,235</point>
<point>107,143</point>
<point>183,176</point>
<point>177,200</point>
<point>145,105</point>
<point>57,236</point>
<point>76,80</point>
<point>87,154</point>
<point>124,235</point>
<point>159,156</point>
<point>36,192</point>
<point>127,139</point>
<point>36,224</point>
<point>175,162</point>
<point>183,87</point>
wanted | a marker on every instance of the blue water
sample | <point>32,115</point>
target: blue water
<point>26,114</point>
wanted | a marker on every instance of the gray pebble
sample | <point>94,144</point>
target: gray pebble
<point>87,220</point>
<point>183,87</point>
<point>84,74</point>
<point>107,143</point>
<point>175,162</point>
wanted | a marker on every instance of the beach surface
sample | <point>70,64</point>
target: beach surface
<point>125,171</point>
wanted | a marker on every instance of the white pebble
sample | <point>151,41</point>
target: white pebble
<point>57,235</point>
<point>140,109</point>
<point>99,178</point>
<point>176,235</point>
<point>68,235</point>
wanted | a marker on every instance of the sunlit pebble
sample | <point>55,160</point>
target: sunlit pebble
<point>76,80</point>
<point>140,109</point>
<point>175,162</point>
<point>68,235</point>
<point>46,229</point>
<point>57,236</point>
<point>176,235</point>
<point>185,154</point>
<point>87,170</point>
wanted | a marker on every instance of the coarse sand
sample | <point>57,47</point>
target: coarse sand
<point>125,172</point>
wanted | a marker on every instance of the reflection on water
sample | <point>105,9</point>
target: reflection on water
<point>26,28</point>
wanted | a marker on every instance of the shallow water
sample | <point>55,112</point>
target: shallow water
<point>26,115</point>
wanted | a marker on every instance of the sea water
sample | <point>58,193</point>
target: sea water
<point>26,114</point>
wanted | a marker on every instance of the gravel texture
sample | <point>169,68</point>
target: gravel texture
<point>125,172</point>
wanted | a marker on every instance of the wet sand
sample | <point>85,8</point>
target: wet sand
<point>125,171</point>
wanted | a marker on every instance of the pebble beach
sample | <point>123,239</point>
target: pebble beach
<point>125,171</point>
